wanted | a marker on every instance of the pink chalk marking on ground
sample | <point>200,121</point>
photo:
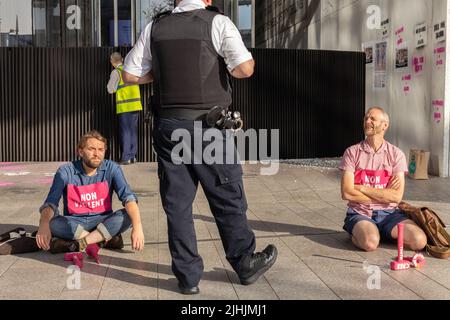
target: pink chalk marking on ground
<point>6,184</point>
<point>12,168</point>
<point>5,163</point>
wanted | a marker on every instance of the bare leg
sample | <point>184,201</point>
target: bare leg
<point>93,237</point>
<point>413,236</point>
<point>366,236</point>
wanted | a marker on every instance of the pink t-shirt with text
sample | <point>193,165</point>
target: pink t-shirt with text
<point>373,169</point>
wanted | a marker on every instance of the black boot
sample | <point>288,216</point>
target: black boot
<point>116,243</point>
<point>255,265</point>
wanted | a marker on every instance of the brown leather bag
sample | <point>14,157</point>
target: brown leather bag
<point>437,237</point>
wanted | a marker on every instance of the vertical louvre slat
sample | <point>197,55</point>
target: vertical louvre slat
<point>50,96</point>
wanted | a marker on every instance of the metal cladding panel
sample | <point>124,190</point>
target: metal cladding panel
<point>49,97</point>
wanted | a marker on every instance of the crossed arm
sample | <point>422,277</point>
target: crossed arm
<point>367,195</point>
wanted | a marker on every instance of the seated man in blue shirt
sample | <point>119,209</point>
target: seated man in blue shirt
<point>87,186</point>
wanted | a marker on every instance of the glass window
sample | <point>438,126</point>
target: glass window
<point>39,24</point>
<point>16,23</point>
<point>124,23</point>
<point>107,19</point>
<point>146,10</point>
<point>245,21</point>
<point>53,28</point>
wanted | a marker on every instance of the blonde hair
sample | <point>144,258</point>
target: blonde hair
<point>91,135</point>
<point>116,57</point>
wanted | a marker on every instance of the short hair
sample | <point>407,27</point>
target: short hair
<point>116,57</point>
<point>91,135</point>
<point>385,115</point>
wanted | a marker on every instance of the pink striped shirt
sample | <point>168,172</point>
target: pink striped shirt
<point>373,169</point>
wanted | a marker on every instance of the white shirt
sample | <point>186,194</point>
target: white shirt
<point>225,37</point>
<point>114,80</point>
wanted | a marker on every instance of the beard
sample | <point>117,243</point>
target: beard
<point>372,131</point>
<point>91,164</point>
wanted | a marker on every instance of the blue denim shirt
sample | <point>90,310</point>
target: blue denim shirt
<point>71,176</point>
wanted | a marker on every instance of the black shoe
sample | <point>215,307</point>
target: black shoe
<point>258,263</point>
<point>63,246</point>
<point>188,291</point>
<point>125,163</point>
<point>134,160</point>
<point>116,243</point>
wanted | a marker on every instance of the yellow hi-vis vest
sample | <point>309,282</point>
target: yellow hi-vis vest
<point>128,96</point>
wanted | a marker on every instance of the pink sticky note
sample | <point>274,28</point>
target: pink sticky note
<point>399,30</point>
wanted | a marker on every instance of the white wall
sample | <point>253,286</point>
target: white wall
<point>342,25</point>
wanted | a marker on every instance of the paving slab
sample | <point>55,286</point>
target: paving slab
<point>299,210</point>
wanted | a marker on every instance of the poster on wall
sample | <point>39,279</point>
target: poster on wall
<point>368,49</point>
<point>418,64</point>
<point>399,34</point>
<point>379,81</point>
<point>420,35</point>
<point>406,83</point>
<point>438,106</point>
<point>439,56</point>
<point>401,56</point>
<point>439,32</point>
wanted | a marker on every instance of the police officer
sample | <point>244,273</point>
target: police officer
<point>187,52</point>
<point>128,107</point>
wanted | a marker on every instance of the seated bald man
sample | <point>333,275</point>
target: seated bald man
<point>373,181</point>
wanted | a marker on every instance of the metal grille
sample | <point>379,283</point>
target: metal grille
<point>51,96</point>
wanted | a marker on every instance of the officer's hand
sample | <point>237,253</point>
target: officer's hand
<point>44,236</point>
<point>137,238</point>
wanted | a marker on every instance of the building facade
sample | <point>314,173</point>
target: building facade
<point>94,23</point>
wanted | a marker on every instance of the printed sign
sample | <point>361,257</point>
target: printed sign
<point>378,179</point>
<point>89,199</point>
<point>420,35</point>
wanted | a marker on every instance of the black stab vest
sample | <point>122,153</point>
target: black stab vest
<point>190,76</point>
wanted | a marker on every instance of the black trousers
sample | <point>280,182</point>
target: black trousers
<point>223,187</point>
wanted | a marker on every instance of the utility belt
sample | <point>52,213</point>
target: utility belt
<point>218,116</point>
<point>182,114</point>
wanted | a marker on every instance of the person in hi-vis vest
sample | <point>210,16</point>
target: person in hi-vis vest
<point>128,107</point>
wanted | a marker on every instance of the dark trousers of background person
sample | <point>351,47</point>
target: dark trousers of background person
<point>223,187</point>
<point>128,127</point>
